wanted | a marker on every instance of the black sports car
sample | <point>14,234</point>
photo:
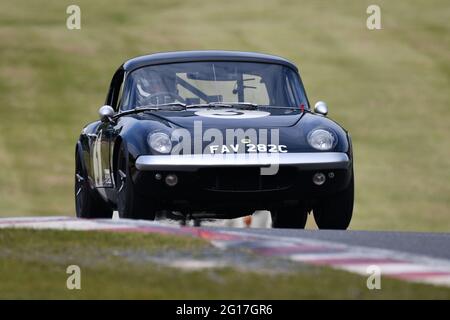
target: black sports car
<point>214,134</point>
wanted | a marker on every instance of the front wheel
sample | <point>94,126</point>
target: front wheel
<point>130,204</point>
<point>88,203</point>
<point>289,217</point>
<point>336,211</point>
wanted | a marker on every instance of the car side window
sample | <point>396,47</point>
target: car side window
<point>115,90</point>
<point>289,89</point>
<point>295,87</point>
<point>120,95</point>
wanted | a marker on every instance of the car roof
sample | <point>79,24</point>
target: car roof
<point>206,55</point>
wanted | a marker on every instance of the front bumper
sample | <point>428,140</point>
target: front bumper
<point>194,162</point>
<point>211,181</point>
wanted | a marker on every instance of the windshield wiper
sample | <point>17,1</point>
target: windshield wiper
<point>152,107</point>
<point>246,105</point>
<point>183,106</point>
<point>240,105</point>
<point>162,106</point>
<point>278,107</point>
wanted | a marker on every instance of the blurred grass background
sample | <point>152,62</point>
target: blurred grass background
<point>389,88</point>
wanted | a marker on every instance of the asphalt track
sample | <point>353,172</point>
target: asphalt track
<point>408,256</point>
<point>436,245</point>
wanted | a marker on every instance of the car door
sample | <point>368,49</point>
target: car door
<point>100,155</point>
<point>104,137</point>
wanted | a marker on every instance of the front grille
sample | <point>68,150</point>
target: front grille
<point>245,179</point>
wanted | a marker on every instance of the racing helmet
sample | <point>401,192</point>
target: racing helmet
<point>149,82</point>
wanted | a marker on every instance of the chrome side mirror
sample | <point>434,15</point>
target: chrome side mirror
<point>106,113</point>
<point>321,108</point>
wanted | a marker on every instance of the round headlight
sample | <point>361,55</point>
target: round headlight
<point>160,142</point>
<point>322,139</point>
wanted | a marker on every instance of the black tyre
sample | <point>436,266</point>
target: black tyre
<point>88,203</point>
<point>129,204</point>
<point>336,211</point>
<point>289,217</point>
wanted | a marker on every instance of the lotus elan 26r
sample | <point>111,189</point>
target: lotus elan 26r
<point>210,135</point>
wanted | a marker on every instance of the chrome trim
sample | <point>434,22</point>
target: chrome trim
<point>192,162</point>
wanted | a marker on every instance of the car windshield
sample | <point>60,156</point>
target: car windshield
<point>190,83</point>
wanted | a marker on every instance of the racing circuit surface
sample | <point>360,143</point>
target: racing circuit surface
<point>409,256</point>
<point>436,245</point>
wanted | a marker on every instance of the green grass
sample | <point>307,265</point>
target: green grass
<point>33,266</point>
<point>389,88</point>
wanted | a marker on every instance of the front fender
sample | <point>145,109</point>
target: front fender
<point>133,133</point>
<point>296,137</point>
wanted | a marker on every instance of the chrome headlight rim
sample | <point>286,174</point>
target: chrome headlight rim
<point>325,133</point>
<point>160,142</point>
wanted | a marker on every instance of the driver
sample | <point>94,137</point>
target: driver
<point>149,83</point>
